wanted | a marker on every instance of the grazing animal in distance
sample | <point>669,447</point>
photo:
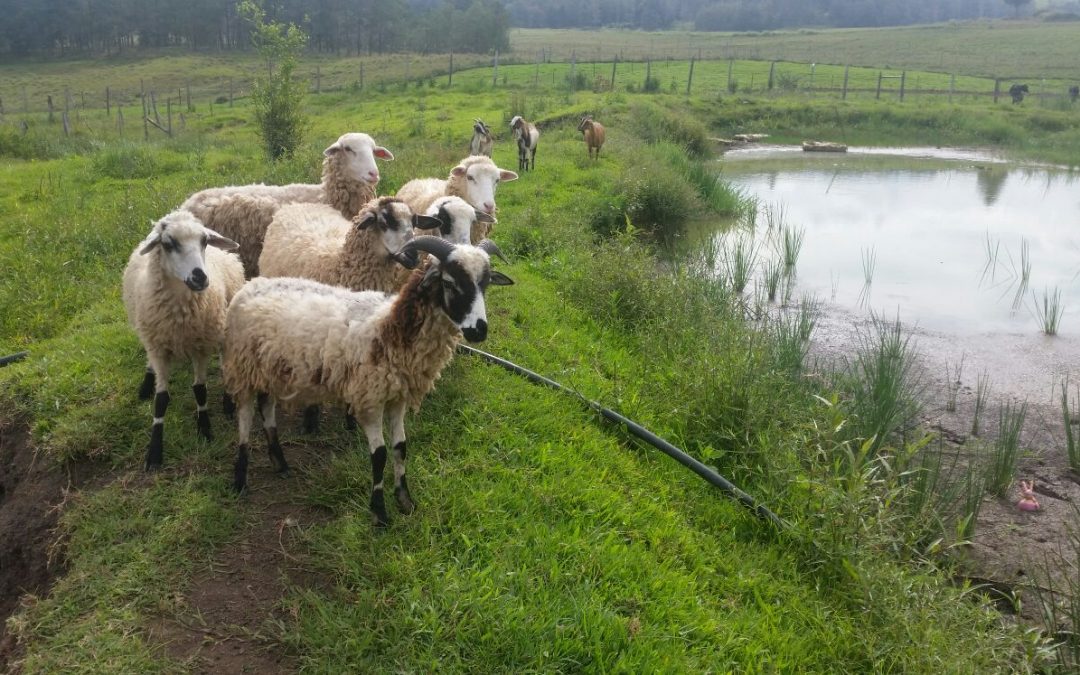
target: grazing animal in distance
<point>1018,91</point>
<point>527,135</point>
<point>1074,93</point>
<point>482,141</point>
<point>593,133</point>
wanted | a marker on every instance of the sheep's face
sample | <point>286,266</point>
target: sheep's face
<point>480,182</point>
<point>394,222</point>
<point>355,155</point>
<point>586,123</point>
<point>183,239</point>
<point>456,218</point>
<point>464,276</point>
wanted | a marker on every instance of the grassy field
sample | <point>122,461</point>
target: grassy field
<point>544,539</point>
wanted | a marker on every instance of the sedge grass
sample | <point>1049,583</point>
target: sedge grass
<point>952,384</point>
<point>983,387</point>
<point>1048,310</point>
<point>1006,448</point>
<point>1069,417</point>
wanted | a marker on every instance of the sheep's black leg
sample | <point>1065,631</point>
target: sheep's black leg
<point>202,365</point>
<point>228,406</point>
<point>245,414</point>
<point>146,389</point>
<point>155,451</point>
<point>311,419</point>
<point>372,422</point>
<point>401,486</point>
<point>277,457</point>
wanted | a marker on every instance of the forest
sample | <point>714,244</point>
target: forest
<point>60,28</point>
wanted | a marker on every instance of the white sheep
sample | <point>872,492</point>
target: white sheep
<point>244,212</point>
<point>527,136</point>
<point>458,221</point>
<point>296,339</point>
<point>475,179</point>
<point>176,291</point>
<point>482,142</point>
<point>316,242</point>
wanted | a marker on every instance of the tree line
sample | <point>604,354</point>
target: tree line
<point>345,27</point>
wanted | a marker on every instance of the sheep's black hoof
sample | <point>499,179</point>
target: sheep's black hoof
<point>146,389</point>
<point>311,419</point>
<point>155,451</point>
<point>284,473</point>
<point>203,423</point>
<point>378,510</point>
<point>350,422</point>
<point>239,485</point>
<point>404,500</point>
<point>152,466</point>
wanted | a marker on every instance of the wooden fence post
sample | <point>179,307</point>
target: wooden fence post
<point>187,86</point>
<point>614,62</point>
<point>997,88</point>
<point>952,86</point>
<point>878,95</point>
<point>108,103</point>
<point>318,80</point>
<point>168,115</point>
<point>772,71</point>
<point>145,119</point>
<point>450,78</point>
<point>573,70</point>
<point>690,77</point>
<point>730,66</point>
<point>843,96</point>
<point>120,121</point>
<point>361,76</point>
<point>903,78</point>
<point>67,124</point>
<point>230,92</point>
<point>495,71</point>
<point>48,99</point>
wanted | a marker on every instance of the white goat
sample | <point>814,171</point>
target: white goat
<point>244,212</point>
<point>297,339</point>
<point>482,141</point>
<point>176,291</point>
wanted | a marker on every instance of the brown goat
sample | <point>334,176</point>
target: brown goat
<point>593,133</point>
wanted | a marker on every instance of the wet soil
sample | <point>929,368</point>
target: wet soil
<point>1012,550</point>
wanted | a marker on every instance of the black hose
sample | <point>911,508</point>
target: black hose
<point>4,360</point>
<point>710,476</point>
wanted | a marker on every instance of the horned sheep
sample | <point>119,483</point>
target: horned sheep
<point>176,291</point>
<point>475,179</point>
<point>316,242</point>
<point>290,338</point>
<point>243,212</point>
<point>593,133</point>
<point>482,142</point>
<point>527,136</point>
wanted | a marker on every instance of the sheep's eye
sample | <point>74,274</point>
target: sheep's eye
<point>496,181</point>
<point>350,150</point>
<point>472,179</point>
<point>168,246</point>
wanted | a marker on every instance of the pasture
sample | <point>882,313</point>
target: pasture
<point>544,539</point>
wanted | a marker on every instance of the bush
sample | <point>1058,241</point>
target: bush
<point>654,125</point>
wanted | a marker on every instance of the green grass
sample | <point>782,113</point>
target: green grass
<point>544,539</point>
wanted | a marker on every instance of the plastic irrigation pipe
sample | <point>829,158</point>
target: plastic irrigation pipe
<point>4,360</point>
<point>710,476</point>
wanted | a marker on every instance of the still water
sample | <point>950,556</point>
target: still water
<point>944,229</point>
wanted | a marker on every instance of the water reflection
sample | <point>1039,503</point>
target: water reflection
<point>934,224</point>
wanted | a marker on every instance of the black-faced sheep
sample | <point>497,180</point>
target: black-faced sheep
<point>593,133</point>
<point>1018,91</point>
<point>243,212</point>
<point>482,141</point>
<point>475,179</point>
<point>296,339</point>
<point>176,291</point>
<point>459,222</point>
<point>527,136</point>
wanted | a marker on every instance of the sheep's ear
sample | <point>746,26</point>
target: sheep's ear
<point>458,171</point>
<point>150,245</point>
<point>332,150</point>
<point>366,219</point>
<point>483,217</point>
<point>224,243</point>
<point>426,222</point>
<point>505,175</point>
<point>500,279</point>
<point>383,153</point>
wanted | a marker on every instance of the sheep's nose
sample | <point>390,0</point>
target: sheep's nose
<point>197,281</point>
<point>373,176</point>
<point>489,207</point>
<point>477,333</point>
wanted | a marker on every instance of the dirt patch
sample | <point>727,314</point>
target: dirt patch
<point>229,616</point>
<point>31,489</point>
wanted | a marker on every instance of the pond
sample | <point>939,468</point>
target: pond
<point>941,238</point>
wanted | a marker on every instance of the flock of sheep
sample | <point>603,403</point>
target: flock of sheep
<point>323,293</point>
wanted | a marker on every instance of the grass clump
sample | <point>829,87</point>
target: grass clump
<point>1006,448</point>
<point>653,124</point>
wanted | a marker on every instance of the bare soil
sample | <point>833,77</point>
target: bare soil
<point>31,492</point>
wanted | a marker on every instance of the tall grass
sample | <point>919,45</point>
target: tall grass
<point>1025,275</point>
<point>1072,444</point>
<point>982,397</point>
<point>739,258</point>
<point>791,332</point>
<point>886,387</point>
<point>952,383</point>
<point>1058,596</point>
<point>1006,448</point>
<point>771,273</point>
<point>869,263</point>
<point>1049,310</point>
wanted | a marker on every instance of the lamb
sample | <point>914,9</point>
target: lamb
<point>244,212</point>
<point>593,133</point>
<point>475,179</point>
<point>176,292</point>
<point>482,141</point>
<point>1017,92</point>
<point>298,339</point>
<point>459,222</point>
<point>527,135</point>
<point>314,241</point>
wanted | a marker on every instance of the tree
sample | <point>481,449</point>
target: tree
<point>1017,4</point>
<point>277,96</point>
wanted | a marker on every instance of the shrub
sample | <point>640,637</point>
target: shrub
<point>653,125</point>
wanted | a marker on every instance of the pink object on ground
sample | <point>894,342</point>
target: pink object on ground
<point>1027,502</point>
